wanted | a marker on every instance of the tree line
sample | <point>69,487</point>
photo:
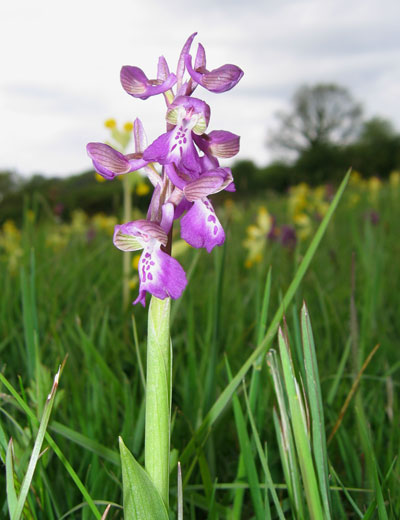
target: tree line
<point>320,135</point>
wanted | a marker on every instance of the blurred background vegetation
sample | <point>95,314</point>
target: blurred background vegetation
<point>321,135</point>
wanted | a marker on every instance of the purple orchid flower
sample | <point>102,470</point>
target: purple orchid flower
<point>190,168</point>
<point>159,273</point>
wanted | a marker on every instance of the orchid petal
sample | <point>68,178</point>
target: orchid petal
<point>162,69</point>
<point>167,216</point>
<point>135,82</point>
<point>154,211</point>
<point>208,183</point>
<point>160,275</point>
<point>136,161</point>
<point>200,59</point>
<point>194,111</point>
<point>175,146</point>
<point>200,226</point>
<point>219,143</point>
<point>222,79</point>
<point>107,161</point>
<point>218,80</point>
<point>180,70</point>
<point>223,144</point>
<point>106,174</point>
<point>177,178</point>
<point>184,205</point>
<point>139,136</point>
<point>208,162</point>
<point>138,235</point>
<point>194,74</point>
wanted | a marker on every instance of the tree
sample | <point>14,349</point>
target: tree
<point>323,114</point>
<point>377,150</point>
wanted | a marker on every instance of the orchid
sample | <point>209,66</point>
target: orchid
<point>159,273</point>
<point>188,174</point>
<point>189,171</point>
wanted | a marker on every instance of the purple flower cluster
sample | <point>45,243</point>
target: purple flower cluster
<point>190,170</point>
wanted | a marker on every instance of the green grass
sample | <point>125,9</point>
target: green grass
<point>247,449</point>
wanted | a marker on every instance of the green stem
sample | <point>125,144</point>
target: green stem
<point>158,395</point>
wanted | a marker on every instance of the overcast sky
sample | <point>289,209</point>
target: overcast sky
<point>60,63</point>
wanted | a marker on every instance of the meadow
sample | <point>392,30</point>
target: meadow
<point>255,439</point>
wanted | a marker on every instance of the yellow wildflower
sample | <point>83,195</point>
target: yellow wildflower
<point>103,222</point>
<point>303,225</point>
<point>58,240</point>
<point>10,243</point>
<point>356,179</point>
<point>394,179</point>
<point>374,186</point>
<point>298,198</point>
<point>353,199</point>
<point>135,261</point>
<point>133,282</point>
<point>99,178</point>
<point>128,126</point>
<point>79,222</point>
<point>110,123</point>
<point>257,236</point>
<point>142,188</point>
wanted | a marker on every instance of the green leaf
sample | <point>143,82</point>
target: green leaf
<point>11,494</point>
<point>300,430</point>
<point>141,499</point>
<point>26,483</point>
<point>317,411</point>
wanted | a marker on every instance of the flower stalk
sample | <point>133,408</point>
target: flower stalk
<point>158,395</point>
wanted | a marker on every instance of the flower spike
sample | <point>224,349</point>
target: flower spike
<point>190,170</point>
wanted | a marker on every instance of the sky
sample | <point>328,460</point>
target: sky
<point>60,63</point>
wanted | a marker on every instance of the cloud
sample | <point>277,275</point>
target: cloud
<point>60,75</point>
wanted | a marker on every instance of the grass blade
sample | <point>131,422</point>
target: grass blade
<point>300,433</point>
<point>26,483</point>
<point>11,493</point>
<point>87,443</point>
<point>317,412</point>
<point>285,439</point>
